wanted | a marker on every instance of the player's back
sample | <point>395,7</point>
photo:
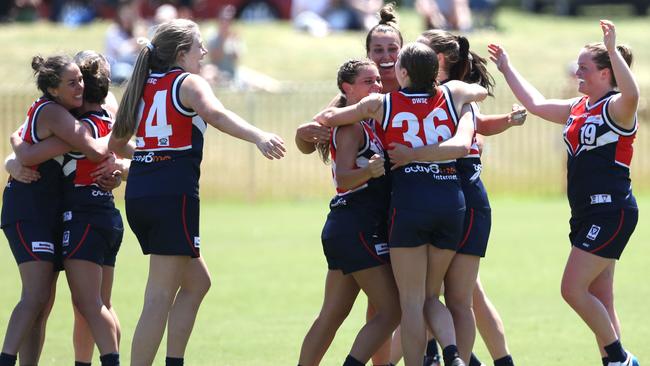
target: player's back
<point>169,141</point>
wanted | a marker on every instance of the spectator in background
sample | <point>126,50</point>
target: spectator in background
<point>365,12</point>
<point>445,14</point>
<point>121,41</point>
<point>224,50</point>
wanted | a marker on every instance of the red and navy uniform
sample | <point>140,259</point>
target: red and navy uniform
<point>603,209</point>
<point>427,203</point>
<point>92,226</point>
<point>31,212</point>
<point>165,169</point>
<point>478,214</point>
<point>354,235</point>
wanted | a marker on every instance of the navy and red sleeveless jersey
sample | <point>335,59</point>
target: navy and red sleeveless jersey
<point>40,200</point>
<point>415,120</point>
<point>169,141</point>
<point>599,156</point>
<point>81,192</point>
<point>371,145</point>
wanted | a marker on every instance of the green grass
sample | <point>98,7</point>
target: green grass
<point>268,272</point>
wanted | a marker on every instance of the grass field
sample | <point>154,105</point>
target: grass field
<point>268,271</point>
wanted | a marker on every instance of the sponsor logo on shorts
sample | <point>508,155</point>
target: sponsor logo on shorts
<point>340,201</point>
<point>381,248</point>
<point>601,198</point>
<point>593,232</point>
<point>150,157</point>
<point>586,245</point>
<point>66,238</point>
<point>197,242</point>
<point>438,172</point>
<point>99,193</point>
<point>42,246</point>
<point>67,216</point>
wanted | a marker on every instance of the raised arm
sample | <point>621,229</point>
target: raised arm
<point>196,93</point>
<point>64,126</point>
<point>33,154</point>
<point>371,106</point>
<point>553,110</point>
<point>347,146</point>
<point>456,147</point>
<point>623,106</point>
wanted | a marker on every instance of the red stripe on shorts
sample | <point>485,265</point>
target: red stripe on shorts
<point>187,233</point>
<point>469,228</point>
<point>365,244</point>
<point>620,225</point>
<point>22,241</point>
<point>83,238</point>
<point>392,223</point>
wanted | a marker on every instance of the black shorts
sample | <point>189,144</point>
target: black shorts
<point>411,228</point>
<point>33,241</point>
<point>476,232</point>
<point>165,225</point>
<point>354,240</point>
<point>604,234</point>
<point>86,240</point>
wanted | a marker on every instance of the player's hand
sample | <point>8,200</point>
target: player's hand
<point>376,166</point>
<point>518,115</point>
<point>399,154</point>
<point>499,56</point>
<point>313,132</point>
<point>109,182</point>
<point>22,173</point>
<point>609,34</point>
<point>271,145</point>
<point>105,168</point>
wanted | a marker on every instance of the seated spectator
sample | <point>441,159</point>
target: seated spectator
<point>224,48</point>
<point>121,41</point>
<point>445,14</point>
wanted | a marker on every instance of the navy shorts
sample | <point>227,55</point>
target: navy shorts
<point>33,241</point>
<point>604,234</point>
<point>354,240</point>
<point>476,232</point>
<point>87,240</point>
<point>410,228</point>
<point>165,225</point>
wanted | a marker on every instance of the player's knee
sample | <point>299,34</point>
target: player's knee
<point>36,302</point>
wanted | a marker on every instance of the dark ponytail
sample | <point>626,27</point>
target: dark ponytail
<point>478,73</point>
<point>460,69</point>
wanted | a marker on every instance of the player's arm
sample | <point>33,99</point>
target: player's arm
<point>463,92</point>
<point>623,106</point>
<point>309,134</point>
<point>32,154</point>
<point>348,139</point>
<point>553,110</point>
<point>493,124</point>
<point>371,106</point>
<point>64,126</point>
<point>456,147</point>
<point>197,94</point>
<point>20,172</point>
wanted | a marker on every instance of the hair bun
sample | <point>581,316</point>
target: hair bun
<point>37,63</point>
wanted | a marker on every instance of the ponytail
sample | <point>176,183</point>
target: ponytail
<point>478,73</point>
<point>127,114</point>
